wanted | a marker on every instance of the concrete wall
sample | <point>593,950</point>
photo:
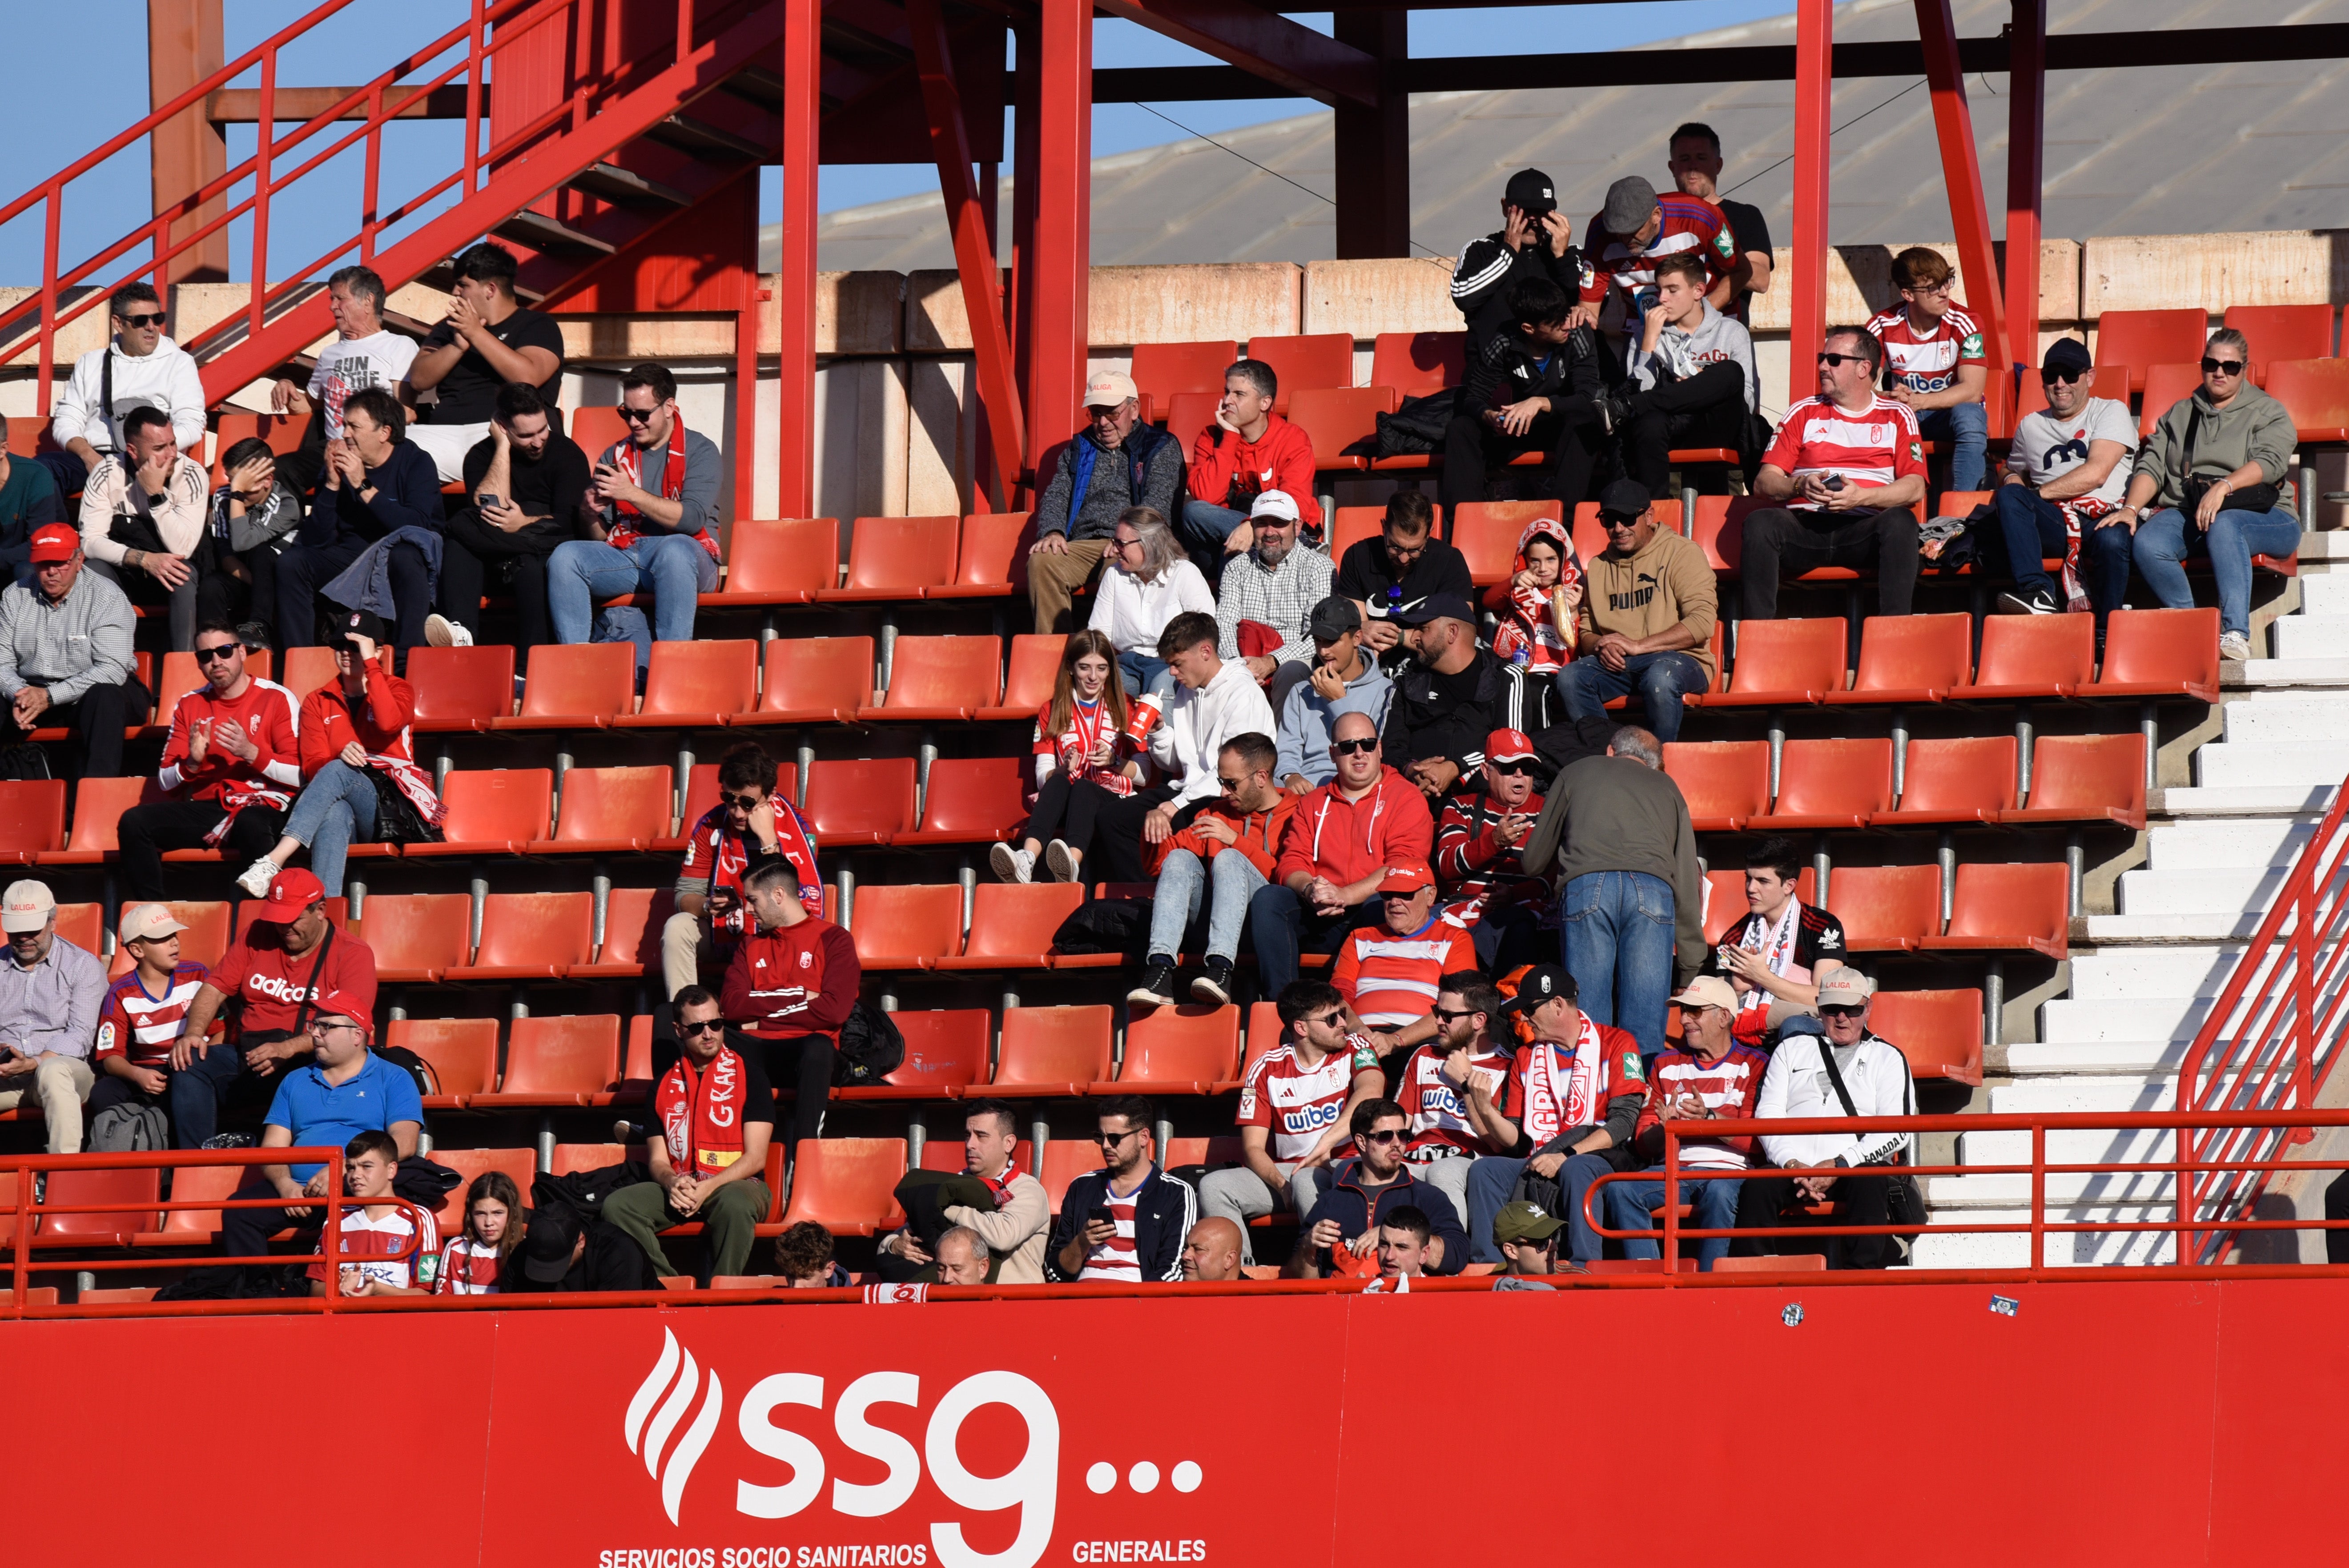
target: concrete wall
<point>896,417</point>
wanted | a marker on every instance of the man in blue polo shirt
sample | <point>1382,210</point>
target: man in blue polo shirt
<point>345,1090</point>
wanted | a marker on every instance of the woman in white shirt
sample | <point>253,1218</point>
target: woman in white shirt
<point>1149,582</point>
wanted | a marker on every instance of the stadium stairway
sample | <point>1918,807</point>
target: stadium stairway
<point>2143,979</point>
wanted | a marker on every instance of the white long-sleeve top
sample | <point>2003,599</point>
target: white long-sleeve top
<point>1131,613</point>
<point>1796,1085</point>
<point>165,379</point>
<point>180,517</point>
<point>1197,723</point>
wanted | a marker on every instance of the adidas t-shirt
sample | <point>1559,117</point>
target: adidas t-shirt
<point>1928,360</point>
<point>2046,448</point>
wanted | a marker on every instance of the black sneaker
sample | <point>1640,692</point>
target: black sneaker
<point>1215,985</point>
<point>1157,988</point>
<point>2042,603</point>
<point>1616,411</point>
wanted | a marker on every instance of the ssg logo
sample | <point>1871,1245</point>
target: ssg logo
<point>654,1431</point>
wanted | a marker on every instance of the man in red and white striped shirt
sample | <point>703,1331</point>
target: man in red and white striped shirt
<point>1388,973</point>
<point>1933,352</point>
<point>1127,1221</point>
<point>1845,473</point>
<point>1714,1079</point>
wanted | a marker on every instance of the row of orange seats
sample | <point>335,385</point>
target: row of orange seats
<point>1994,906</point>
<point>1844,785</point>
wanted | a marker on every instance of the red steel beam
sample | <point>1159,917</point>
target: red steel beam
<point>1264,42</point>
<point>2026,149</point>
<point>982,278</point>
<point>1953,124</point>
<point>1056,211</point>
<point>186,152</point>
<point>1813,100</point>
<point>802,116</point>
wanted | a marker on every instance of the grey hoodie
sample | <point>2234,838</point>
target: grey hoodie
<point>1306,717</point>
<point>1716,339</point>
<point>2251,426</point>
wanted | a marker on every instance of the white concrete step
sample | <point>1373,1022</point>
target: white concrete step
<point>2059,1096</point>
<point>2326,672</point>
<point>2269,764</point>
<point>2325,593</point>
<point>2126,973</point>
<point>2013,1192</point>
<point>2249,800</point>
<point>2180,928</point>
<point>2132,1019</point>
<point>2087,1146</point>
<point>2226,843</point>
<point>2073,1058</point>
<point>2289,717</point>
<point>2307,636</point>
<point>2228,890</point>
<point>2012,1250</point>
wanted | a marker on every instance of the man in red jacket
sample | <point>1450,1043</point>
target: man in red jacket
<point>1340,843</point>
<point>1247,450</point>
<point>230,767</point>
<point>1222,858</point>
<point>788,989</point>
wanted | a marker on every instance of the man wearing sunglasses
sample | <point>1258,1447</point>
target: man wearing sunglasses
<point>2213,477</point>
<point>1127,1221</point>
<point>1451,1086</point>
<point>1478,836</point>
<point>1339,1236</point>
<point>1846,472</point>
<point>138,368</point>
<point>1645,625</point>
<point>2065,475</point>
<point>1219,861</point>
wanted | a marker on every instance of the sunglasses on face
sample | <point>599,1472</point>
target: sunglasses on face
<point>1326,1020</point>
<point>217,650</point>
<point>1352,747</point>
<point>1833,360</point>
<point>1111,1140</point>
<point>637,416</point>
<point>744,802</point>
<point>1448,1014</point>
<point>155,319</point>
<point>1395,1136</point>
<point>1228,785</point>
<point>1617,524</point>
<point>2221,366</point>
<point>2049,377</point>
<point>707,1027</point>
<point>1837,1011</point>
<point>1513,769</point>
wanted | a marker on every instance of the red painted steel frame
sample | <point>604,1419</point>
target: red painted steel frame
<point>1054,264</point>
<point>1264,42</point>
<point>1953,124</point>
<point>802,113</point>
<point>2027,130</point>
<point>1807,274</point>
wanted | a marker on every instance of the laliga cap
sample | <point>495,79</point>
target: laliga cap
<point>1846,987</point>
<point>1405,879</point>
<point>1108,388</point>
<point>147,922</point>
<point>1708,991</point>
<point>25,906</point>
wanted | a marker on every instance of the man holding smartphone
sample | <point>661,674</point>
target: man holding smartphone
<point>1127,1221</point>
<point>526,483</point>
<point>750,826</point>
<point>1478,836</point>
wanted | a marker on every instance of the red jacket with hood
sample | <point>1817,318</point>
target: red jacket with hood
<point>1345,840</point>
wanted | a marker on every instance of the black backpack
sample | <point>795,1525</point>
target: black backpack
<point>871,1048</point>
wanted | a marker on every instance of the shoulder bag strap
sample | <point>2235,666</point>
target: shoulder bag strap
<point>310,988</point>
<point>106,398</point>
<point>1835,1075</point>
<point>2193,433</point>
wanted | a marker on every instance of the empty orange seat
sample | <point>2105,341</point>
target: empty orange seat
<point>994,556</point>
<point>848,1185</point>
<point>497,810</point>
<point>1781,662</point>
<point>2284,331</point>
<point>596,428</point>
<point>779,560</point>
<point>610,811</point>
<point>193,1227</point>
<point>1050,1051</point>
<point>2019,905</point>
<point>2141,338</point>
<point>1971,779</point>
<point>1829,784</point>
<point>1317,361</point>
<point>1785,1262</point>
<point>2085,778</point>
<point>571,1060</point>
<point>860,802</point>
<point>1187,413</point>
<point>83,924</point>
<point>1909,658</point>
<point>1334,418</point>
<point>1354,524</point>
<point>897,558</point>
<point>696,684</point>
<point>520,1165</point>
<point>99,805</point>
<point>1487,532</point>
<point>1011,925</point>
<point>2315,392</point>
<point>574,1157</point>
<point>906,926</point>
<point>972,801</point>
<point>1725,782</point>
<point>814,680</point>
<point>934,679</point>
<point>1028,685</point>
<point>532,936</point>
<point>419,936</point>
<point>71,1188</point>
<point>577,686</point>
<point>1162,370</point>
<point>2165,386</point>
<point>1065,1160</point>
<point>2033,656</point>
<point>631,944</point>
<point>32,819</point>
<point>1414,364</point>
<point>461,1052</point>
<point>946,1052</point>
<point>1940,1031</point>
<point>2160,652</point>
<point>461,689</point>
<point>1886,909</point>
<point>1185,1049</point>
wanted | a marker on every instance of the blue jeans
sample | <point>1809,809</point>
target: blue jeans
<point>1965,429</point>
<point>1204,525</point>
<point>1284,926</point>
<point>1493,1177</point>
<point>1140,673</point>
<point>336,809</point>
<point>197,1093</point>
<point>1617,943</point>
<point>672,567</point>
<point>2029,529</point>
<point>1661,679</point>
<point>1713,1207</point>
<point>2165,539</point>
<point>1229,881</point>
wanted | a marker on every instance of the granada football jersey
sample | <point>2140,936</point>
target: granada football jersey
<point>714,850</point>
<point>1392,980</point>
<point>1928,361</point>
<point>1554,1087</point>
<point>468,1267</point>
<point>1871,445</point>
<point>1298,1104</point>
<point>365,1244</point>
<point>1729,1087</point>
<point>1691,226</point>
<point>143,1027</point>
<point>1439,1116</point>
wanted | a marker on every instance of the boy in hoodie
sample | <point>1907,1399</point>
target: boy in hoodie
<point>139,367</point>
<point>1535,387</point>
<point>1697,383</point>
<point>1345,679</point>
<point>1214,700</point>
<point>1225,853</point>
<point>1247,450</point>
<point>254,518</point>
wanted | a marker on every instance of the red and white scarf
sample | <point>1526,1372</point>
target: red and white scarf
<point>1087,723</point>
<point>1777,947</point>
<point>235,795</point>
<point>1558,1099</point>
<point>625,457</point>
<point>2080,514</point>
<point>700,1112</point>
<point>414,783</point>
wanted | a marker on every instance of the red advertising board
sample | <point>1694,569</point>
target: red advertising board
<point>2145,1423</point>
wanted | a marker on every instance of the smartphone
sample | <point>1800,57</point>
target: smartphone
<point>1099,1214</point>
<point>487,499</point>
<point>1834,482</point>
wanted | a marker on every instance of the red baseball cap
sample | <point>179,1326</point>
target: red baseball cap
<point>1509,746</point>
<point>343,1005</point>
<point>1406,879</point>
<point>54,542</point>
<point>289,895</point>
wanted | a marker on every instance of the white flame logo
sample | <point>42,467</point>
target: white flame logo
<point>680,1386</point>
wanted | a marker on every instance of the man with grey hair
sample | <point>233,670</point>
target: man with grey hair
<point>50,994</point>
<point>1264,608</point>
<point>365,353</point>
<point>1118,460</point>
<point>963,1258</point>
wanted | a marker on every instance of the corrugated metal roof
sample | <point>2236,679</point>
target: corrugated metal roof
<point>2160,150</point>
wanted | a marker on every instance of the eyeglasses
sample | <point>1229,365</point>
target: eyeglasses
<point>1111,1140</point>
<point>1448,1014</point>
<point>155,319</point>
<point>1396,1135</point>
<point>1326,1020</point>
<point>1930,291</point>
<point>706,1026</point>
<point>1352,747</point>
<point>2221,366</point>
<point>1612,524</point>
<point>1513,769</point>
<point>1228,785</point>
<point>1406,552</point>
<point>639,416</point>
<point>217,650</point>
<point>1836,359</point>
<point>2049,377</point>
<point>744,802</point>
<point>320,1026</point>
<point>1123,545</point>
<point>1837,1010</point>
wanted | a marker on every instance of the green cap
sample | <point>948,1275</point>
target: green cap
<point>1523,1221</point>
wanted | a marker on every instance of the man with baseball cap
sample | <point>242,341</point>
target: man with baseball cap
<point>1388,973</point>
<point>1526,1235</point>
<point>1264,608</point>
<point>1119,459</point>
<point>1635,229</point>
<point>1344,679</point>
<point>1479,831</point>
<point>65,655</point>
<point>2067,475</point>
<point>50,992</point>
<point>1849,1070</point>
<point>138,1024</point>
<point>1645,625</point>
<point>1449,698</point>
<point>1535,240</point>
<point>289,957</point>
<point>1711,1078</point>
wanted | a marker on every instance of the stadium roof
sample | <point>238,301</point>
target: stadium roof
<point>2149,151</point>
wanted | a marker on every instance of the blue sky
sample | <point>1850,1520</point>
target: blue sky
<point>60,115</point>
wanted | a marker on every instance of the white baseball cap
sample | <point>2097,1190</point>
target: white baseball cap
<point>147,922</point>
<point>1275,503</point>
<point>26,906</point>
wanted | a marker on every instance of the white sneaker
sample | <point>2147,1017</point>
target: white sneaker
<point>258,876</point>
<point>1011,865</point>
<point>2236,647</point>
<point>443,633</point>
<point>1063,863</point>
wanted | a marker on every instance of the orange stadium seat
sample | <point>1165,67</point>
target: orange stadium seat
<point>2160,652</point>
<point>1970,780</point>
<point>700,683</point>
<point>2142,338</point>
<point>2315,392</point>
<point>2284,331</point>
<point>1188,413</point>
<point>571,1060</point>
<point>1886,909</point>
<point>519,1164</point>
<point>577,686</point>
<point>906,926</point>
<point>193,1227</point>
<point>1940,1031</point>
<point>860,802</point>
<point>1725,782</point>
<point>1718,535</point>
<point>1910,658</point>
<point>1353,525</point>
<point>1487,532</point>
<point>179,676</point>
<point>1065,1160</point>
<point>1264,1033</point>
<point>1164,370</point>
<point>1826,785</point>
<point>848,1185</point>
<point>814,680</point>
<point>633,918</point>
<point>419,936</point>
<point>970,800</point>
<point>1784,1262</point>
<point>2166,386</point>
<point>123,1295</point>
<point>2021,905</point>
<point>994,556</point>
<point>2028,657</point>
<point>461,688</point>
<point>1317,361</point>
<point>597,428</point>
<point>99,805</point>
<point>2085,778</point>
<point>570,1158</point>
<point>610,811</point>
<point>1783,662</point>
<point>461,1052</point>
<point>1027,687</point>
<point>1011,925</point>
<point>1414,364</point>
<point>938,680</point>
<point>83,924</point>
<point>68,1189</point>
<point>779,560</point>
<point>532,936</point>
<point>1185,1049</point>
<point>896,558</point>
<point>1333,419</point>
<point>32,819</point>
<point>307,669</point>
<point>491,811</point>
<point>1050,1052</point>
<point>946,1052</point>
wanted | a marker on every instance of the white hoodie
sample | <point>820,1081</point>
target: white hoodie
<point>1197,723</point>
<point>1717,339</point>
<point>165,379</point>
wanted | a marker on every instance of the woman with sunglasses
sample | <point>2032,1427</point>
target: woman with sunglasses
<point>1080,734</point>
<point>2213,477</point>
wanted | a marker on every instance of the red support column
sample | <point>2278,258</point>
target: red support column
<point>1055,264</point>
<point>2027,146</point>
<point>1953,124</point>
<point>184,48</point>
<point>795,287</point>
<point>1814,103</point>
